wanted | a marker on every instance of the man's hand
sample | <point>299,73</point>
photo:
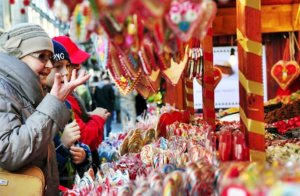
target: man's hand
<point>70,134</point>
<point>62,87</point>
<point>103,113</point>
<point>78,154</point>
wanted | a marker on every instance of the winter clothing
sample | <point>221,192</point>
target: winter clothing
<point>60,53</point>
<point>104,96</point>
<point>77,55</point>
<point>29,121</point>
<point>91,126</point>
<point>66,167</point>
<point>23,39</point>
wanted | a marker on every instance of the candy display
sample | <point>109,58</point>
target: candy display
<point>194,158</point>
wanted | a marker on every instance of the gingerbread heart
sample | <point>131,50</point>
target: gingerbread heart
<point>121,76</point>
<point>174,72</point>
<point>217,77</point>
<point>185,16</point>
<point>285,72</point>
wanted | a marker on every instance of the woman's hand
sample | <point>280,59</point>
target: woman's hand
<point>62,87</point>
<point>77,154</point>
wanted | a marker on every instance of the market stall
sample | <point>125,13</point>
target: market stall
<point>163,46</point>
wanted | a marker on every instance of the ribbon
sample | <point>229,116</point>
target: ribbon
<point>251,86</point>
<point>253,126</point>
<point>255,4</point>
<point>249,45</point>
<point>256,155</point>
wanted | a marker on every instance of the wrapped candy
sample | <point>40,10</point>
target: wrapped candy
<point>225,145</point>
<point>240,150</point>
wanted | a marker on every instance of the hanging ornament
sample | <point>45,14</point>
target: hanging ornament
<point>22,11</point>
<point>117,66</point>
<point>286,71</point>
<point>11,2</point>
<point>26,2</point>
<point>217,77</point>
<point>185,16</point>
<point>174,72</point>
<point>101,44</point>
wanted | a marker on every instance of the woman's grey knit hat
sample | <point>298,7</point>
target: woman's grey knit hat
<point>24,39</point>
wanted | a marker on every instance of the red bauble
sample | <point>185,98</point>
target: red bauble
<point>22,11</point>
<point>26,2</point>
<point>11,2</point>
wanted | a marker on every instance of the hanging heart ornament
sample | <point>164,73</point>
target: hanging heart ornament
<point>217,77</point>
<point>186,16</point>
<point>285,72</point>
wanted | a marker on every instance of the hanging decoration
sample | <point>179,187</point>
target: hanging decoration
<point>26,2</point>
<point>142,41</point>
<point>101,44</point>
<point>285,71</point>
<point>174,72</point>
<point>121,72</point>
<point>187,16</point>
<point>195,60</point>
<point>82,24</point>
<point>217,77</point>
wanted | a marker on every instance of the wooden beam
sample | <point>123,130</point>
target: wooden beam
<point>274,18</point>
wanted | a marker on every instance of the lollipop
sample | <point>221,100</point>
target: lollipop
<point>147,154</point>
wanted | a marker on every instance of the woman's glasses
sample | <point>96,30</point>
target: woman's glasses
<point>43,57</point>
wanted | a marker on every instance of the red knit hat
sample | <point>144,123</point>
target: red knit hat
<point>77,55</point>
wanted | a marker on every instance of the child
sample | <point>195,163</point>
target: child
<point>70,157</point>
<point>91,124</point>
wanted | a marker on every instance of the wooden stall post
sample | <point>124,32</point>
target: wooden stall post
<point>208,80</point>
<point>250,76</point>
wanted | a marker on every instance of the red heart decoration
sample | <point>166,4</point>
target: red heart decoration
<point>217,77</point>
<point>164,120</point>
<point>285,72</point>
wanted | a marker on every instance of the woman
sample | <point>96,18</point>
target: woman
<point>30,119</point>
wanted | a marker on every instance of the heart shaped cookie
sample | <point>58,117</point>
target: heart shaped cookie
<point>174,72</point>
<point>123,78</point>
<point>185,16</point>
<point>217,77</point>
<point>285,72</point>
